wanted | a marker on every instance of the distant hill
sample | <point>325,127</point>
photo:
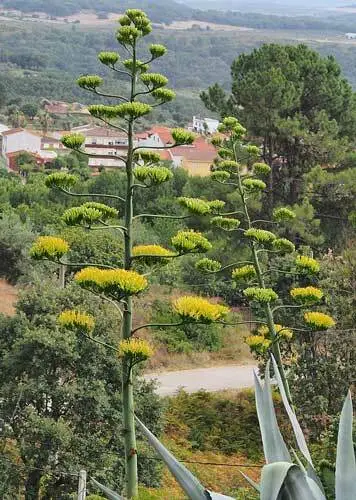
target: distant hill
<point>159,10</point>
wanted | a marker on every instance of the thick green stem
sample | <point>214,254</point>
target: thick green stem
<point>127,382</point>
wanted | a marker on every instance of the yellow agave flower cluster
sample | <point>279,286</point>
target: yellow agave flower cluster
<point>307,295</point>
<point>318,321</point>
<point>49,247</point>
<point>151,253</point>
<point>307,264</point>
<point>261,341</point>
<point>76,320</point>
<point>193,308</point>
<point>113,282</point>
<point>135,349</point>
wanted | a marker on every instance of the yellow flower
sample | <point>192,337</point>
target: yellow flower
<point>281,331</point>
<point>135,349</point>
<point>49,247</point>
<point>258,342</point>
<point>199,309</point>
<point>151,253</point>
<point>76,319</point>
<point>307,264</point>
<point>307,295</point>
<point>244,272</point>
<point>113,282</point>
<point>318,321</point>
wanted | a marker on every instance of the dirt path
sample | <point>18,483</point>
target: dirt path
<point>210,379</point>
<point>8,297</point>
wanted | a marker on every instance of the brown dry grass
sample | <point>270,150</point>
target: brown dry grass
<point>8,297</point>
<point>186,25</point>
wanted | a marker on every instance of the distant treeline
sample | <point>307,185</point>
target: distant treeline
<point>167,11</point>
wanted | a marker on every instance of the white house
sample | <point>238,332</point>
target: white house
<point>350,36</point>
<point>204,125</point>
<point>19,139</point>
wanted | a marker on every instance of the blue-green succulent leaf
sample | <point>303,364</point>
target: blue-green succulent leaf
<point>345,475</point>
<point>274,446</point>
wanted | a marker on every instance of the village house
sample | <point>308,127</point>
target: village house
<point>195,158</point>
<point>108,146</point>
<point>17,141</point>
<point>206,126</point>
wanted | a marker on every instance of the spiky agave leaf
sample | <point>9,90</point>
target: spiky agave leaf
<point>274,447</point>
<point>189,483</point>
<point>108,492</point>
<point>345,475</point>
<point>286,481</point>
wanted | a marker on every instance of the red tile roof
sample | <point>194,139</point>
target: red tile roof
<point>200,150</point>
<point>13,131</point>
<point>164,133</point>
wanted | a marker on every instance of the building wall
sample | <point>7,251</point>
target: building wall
<point>106,141</point>
<point>201,168</point>
<point>21,141</point>
<point>153,141</point>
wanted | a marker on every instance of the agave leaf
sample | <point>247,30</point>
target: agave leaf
<point>107,491</point>
<point>250,482</point>
<point>274,447</point>
<point>285,481</point>
<point>189,483</point>
<point>345,475</point>
<point>292,417</point>
<point>218,496</point>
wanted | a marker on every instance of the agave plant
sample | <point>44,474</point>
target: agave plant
<point>282,477</point>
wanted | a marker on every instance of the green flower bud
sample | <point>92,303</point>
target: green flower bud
<point>81,215</point>
<point>261,169</point>
<point>254,184</point>
<point>147,156</point>
<point>157,50</point>
<point>208,265</point>
<point>182,137</point>
<point>230,122</point>
<point>228,166</point>
<point>61,180</point>
<point>262,295</point>
<point>125,21</point>
<point>164,95</point>
<point>73,141</point>
<point>226,154</point>
<point>103,111</point>
<point>195,205</point>
<point>140,65</point>
<point>108,58</point>
<point>216,206</point>
<point>155,79</point>
<point>283,245</point>
<point>283,214</point>
<point>225,223</point>
<point>133,110</point>
<point>190,242</point>
<point>127,35</point>
<point>90,82</point>
<point>217,141</point>
<point>252,150</point>
<point>260,235</point>
<point>220,176</point>
<point>155,175</point>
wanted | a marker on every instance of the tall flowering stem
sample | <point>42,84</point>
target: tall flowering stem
<point>143,170</point>
<point>238,168</point>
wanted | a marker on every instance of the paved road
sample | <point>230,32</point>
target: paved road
<point>211,379</point>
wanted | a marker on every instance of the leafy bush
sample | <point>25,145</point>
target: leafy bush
<point>216,422</point>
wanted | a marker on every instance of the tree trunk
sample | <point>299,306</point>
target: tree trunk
<point>32,485</point>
